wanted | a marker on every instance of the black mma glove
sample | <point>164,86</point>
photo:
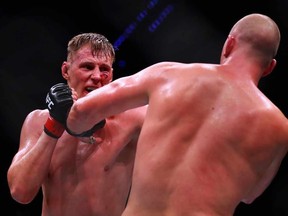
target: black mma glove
<point>59,101</point>
<point>90,132</point>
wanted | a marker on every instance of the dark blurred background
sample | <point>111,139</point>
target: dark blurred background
<point>33,40</point>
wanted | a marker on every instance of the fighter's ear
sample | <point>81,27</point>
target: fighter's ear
<point>270,67</point>
<point>229,45</point>
<point>64,70</point>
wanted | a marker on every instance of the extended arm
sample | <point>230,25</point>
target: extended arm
<point>120,95</point>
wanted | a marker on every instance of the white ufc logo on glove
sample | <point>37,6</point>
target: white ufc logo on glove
<point>49,102</point>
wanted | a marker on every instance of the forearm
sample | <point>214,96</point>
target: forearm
<point>82,118</point>
<point>29,168</point>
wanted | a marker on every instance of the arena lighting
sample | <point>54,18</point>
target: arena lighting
<point>142,15</point>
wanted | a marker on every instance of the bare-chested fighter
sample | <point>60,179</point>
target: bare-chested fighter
<point>211,139</point>
<point>78,178</point>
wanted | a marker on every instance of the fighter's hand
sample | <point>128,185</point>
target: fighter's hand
<point>59,101</point>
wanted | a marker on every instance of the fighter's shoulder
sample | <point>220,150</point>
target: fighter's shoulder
<point>270,114</point>
<point>159,70</point>
<point>172,66</point>
<point>37,115</point>
<point>278,122</point>
<point>167,65</point>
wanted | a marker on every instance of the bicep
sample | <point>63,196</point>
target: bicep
<point>118,96</point>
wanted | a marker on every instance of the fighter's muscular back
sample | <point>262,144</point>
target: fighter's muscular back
<point>215,143</point>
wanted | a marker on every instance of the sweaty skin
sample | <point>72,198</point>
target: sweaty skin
<point>82,179</point>
<point>210,140</point>
<point>78,178</point>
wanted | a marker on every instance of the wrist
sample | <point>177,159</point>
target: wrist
<point>90,132</point>
<point>53,128</point>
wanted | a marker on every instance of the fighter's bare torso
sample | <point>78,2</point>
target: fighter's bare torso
<point>221,151</point>
<point>95,179</point>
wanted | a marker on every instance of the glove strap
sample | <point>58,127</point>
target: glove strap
<point>53,128</point>
<point>90,132</point>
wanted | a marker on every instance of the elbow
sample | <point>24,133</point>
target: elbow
<point>19,192</point>
<point>20,195</point>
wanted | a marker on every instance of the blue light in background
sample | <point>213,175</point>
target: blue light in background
<point>139,18</point>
